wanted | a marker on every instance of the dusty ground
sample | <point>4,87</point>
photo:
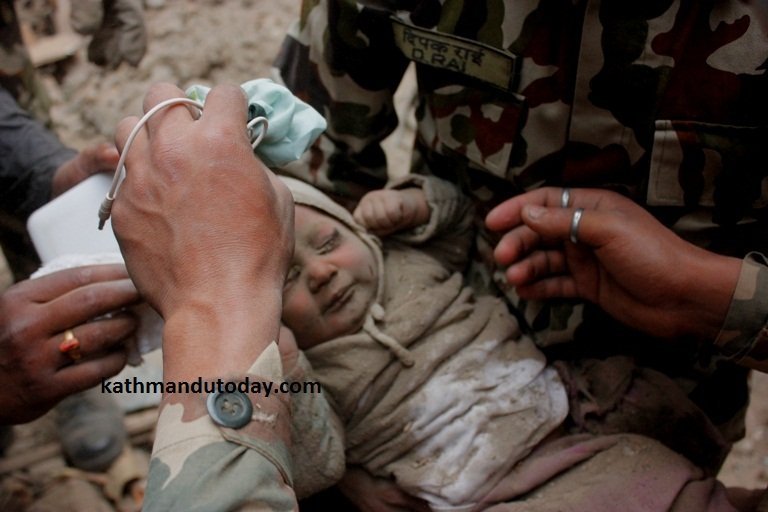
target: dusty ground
<point>200,42</point>
<point>214,41</point>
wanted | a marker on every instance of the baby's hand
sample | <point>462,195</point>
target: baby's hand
<point>386,211</point>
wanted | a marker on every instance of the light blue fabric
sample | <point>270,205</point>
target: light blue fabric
<point>293,125</point>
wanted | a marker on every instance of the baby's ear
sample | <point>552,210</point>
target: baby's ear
<point>289,351</point>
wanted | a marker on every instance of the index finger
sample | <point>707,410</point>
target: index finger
<point>507,215</point>
<point>226,107</point>
<point>173,115</point>
<point>91,301</point>
<point>51,286</point>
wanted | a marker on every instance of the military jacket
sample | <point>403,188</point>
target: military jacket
<point>663,101</point>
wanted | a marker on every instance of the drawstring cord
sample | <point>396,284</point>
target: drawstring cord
<point>402,353</point>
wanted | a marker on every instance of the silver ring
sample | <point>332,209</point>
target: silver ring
<point>565,199</point>
<point>575,221</point>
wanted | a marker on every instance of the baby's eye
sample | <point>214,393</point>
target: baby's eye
<point>293,274</point>
<point>330,243</point>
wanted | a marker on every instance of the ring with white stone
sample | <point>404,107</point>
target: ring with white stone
<point>565,199</point>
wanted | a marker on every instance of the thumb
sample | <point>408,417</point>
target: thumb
<point>593,229</point>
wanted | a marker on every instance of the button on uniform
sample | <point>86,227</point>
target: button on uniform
<point>233,410</point>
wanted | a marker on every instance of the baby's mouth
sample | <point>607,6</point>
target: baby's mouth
<point>339,299</point>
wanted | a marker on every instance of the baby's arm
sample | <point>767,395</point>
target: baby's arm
<point>317,436</point>
<point>448,231</point>
<point>387,211</point>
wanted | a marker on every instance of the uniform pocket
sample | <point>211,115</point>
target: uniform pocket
<point>708,165</point>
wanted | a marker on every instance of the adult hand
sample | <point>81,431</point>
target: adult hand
<point>91,160</point>
<point>625,261</point>
<point>34,314</point>
<point>206,231</point>
<point>387,211</point>
<point>371,494</point>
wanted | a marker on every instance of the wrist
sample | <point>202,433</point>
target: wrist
<point>708,289</point>
<point>419,207</point>
<point>219,338</point>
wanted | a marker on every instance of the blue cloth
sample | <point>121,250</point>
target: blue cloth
<point>293,125</point>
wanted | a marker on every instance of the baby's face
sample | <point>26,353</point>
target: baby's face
<point>332,280</point>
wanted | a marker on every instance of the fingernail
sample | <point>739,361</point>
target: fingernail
<point>534,212</point>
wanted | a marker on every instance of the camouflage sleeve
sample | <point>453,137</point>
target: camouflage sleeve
<point>744,336</point>
<point>448,234</point>
<point>197,465</point>
<point>29,155</point>
<point>341,59</point>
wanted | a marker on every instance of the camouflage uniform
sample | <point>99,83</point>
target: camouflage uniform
<point>197,465</point>
<point>663,101</point>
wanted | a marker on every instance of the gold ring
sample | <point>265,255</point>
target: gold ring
<point>70,346</point>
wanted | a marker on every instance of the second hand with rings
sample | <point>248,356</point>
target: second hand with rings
<point>565,200</point>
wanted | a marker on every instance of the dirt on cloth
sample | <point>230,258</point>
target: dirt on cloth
<point>198,42</point>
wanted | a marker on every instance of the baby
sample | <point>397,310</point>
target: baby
<point>436,388</point>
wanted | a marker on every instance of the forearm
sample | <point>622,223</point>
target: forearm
<point>706,287</point>
<point>219,338</point>
<point>231,341</point>
<point>448,226</point>
<point>29,156</point>
<point>228,337</point>
<point>213,266</point>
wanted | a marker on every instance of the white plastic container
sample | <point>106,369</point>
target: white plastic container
<point>69,223</point>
